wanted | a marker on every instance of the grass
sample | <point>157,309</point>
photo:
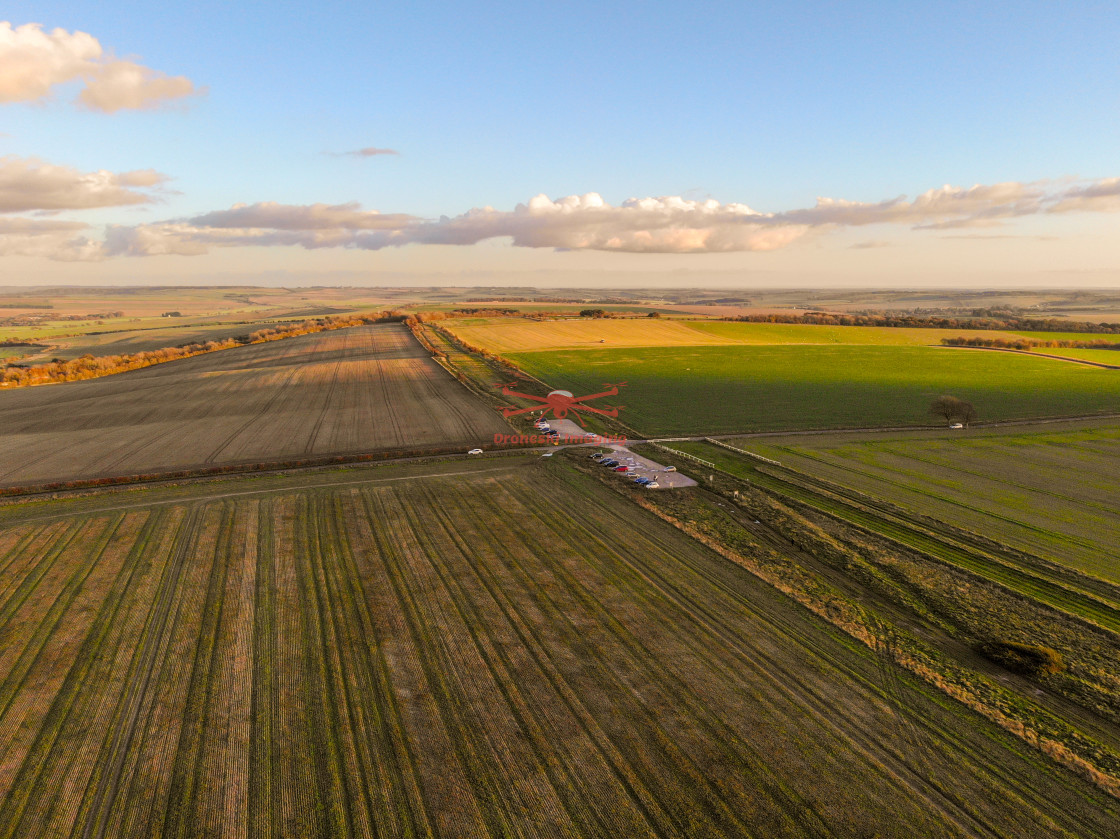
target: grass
<point>520,652</point>
<point>1051,493</point>
<point>795,333</point>
<point>517,335</point>
<point>698,390</point>
<point>1102,356</point>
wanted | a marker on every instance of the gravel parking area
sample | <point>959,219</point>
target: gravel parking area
<point>644,467</point>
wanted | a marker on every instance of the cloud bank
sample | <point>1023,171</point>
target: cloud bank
<point>667,224</point>
<point>33,62</point>
<point>28,184</point>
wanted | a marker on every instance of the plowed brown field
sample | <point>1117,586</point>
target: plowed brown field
<point>346,391</point>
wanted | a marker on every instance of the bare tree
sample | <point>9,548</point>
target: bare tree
<point>952,408</point>
<point>968,413</point>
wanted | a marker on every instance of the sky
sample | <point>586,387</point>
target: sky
<point>724,144</point>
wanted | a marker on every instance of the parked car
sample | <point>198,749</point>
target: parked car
<point>670,468</point>
<point>621,469</point>
<point>608,463</point>
<point>652,485</point>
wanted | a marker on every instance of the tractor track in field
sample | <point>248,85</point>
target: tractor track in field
<point>1082,597</point>
<point>788,683</point>
<point>1092,724</point>
<point>140,683</point>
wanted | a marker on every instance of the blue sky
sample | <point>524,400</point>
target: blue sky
<point>489,104</point>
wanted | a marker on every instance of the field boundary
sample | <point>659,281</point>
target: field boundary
<point>303,464</point>
<point>1037,355</point>
<point>724,445</point>
<point>686,455</point>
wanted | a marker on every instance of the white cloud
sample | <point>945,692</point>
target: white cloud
<point>125,84</point>
<point>1102,196</point>
<point>302,217</point>
<point>29,184</point>
<point>33,62</point>
<point>47,238</point>
<point>667,224</point>
<point>948,206</point>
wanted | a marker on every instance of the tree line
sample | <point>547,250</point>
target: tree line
<point>91,367</point>
<point>1031,343</point>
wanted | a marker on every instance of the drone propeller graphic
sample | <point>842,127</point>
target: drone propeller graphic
<point>561,402</point>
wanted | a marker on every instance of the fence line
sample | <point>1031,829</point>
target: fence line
<point>685,455</point>
<point>741,451</point>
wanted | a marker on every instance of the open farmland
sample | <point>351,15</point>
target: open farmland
<point>343,391</point>
<point>154,337</point>
<point>1052,493</point>
<point>458,650</point>
<point>518,335</point>
<point>709,390</point>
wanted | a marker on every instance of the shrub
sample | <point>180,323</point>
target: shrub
<point>1025,659</point>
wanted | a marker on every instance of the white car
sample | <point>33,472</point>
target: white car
<point>957,425</point>
<point>475,451</point>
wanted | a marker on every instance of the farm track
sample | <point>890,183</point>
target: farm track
<point>505,652</point>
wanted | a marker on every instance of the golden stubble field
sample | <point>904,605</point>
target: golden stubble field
<point>345,391</point>
<point>520,335</point>
<point>458,650</point>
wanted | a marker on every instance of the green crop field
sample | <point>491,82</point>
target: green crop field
<point>802,333</point>
<point>696,390</point>
<point>1054,494</point>
<point>458,650</point>
<point>1100,356</point>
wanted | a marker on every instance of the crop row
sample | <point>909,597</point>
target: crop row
<point>512,653</point>
<point>1053,495</point>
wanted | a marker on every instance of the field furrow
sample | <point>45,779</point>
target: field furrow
<point>513,652</point>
